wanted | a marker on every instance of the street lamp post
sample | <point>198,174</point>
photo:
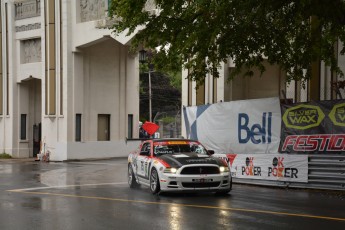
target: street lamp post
<point>143,58</point>
<point>150,96</point>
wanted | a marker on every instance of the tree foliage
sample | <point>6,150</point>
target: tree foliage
<point>201,34</point>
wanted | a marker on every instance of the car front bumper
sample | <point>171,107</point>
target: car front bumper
<point>178,182</point>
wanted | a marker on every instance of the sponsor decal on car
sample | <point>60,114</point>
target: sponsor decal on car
<point>177,142</point>
<point>180,155</point>
<point>199,160</point>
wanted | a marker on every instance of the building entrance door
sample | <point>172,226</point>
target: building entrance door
<point>36,139</point>
<point>103,127</point>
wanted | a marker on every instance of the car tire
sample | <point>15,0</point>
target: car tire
<point>154,182</point>
<point>132,182</point>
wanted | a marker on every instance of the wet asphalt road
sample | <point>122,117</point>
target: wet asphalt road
<point>95,195</point>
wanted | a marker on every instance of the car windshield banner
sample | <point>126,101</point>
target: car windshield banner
<point>314,127</point>
<point>246,126</point>
<point>278,167</point>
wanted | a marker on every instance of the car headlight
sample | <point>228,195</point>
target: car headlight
<point>170,170</point>
<point>223,169</point>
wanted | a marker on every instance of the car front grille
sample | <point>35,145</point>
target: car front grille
<point>197,170</point>
<point>200,185</point>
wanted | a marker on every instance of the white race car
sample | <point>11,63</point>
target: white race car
<point>171,165</point>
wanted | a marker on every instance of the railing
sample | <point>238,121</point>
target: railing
<point>326,172</point>
<point>27,9</point>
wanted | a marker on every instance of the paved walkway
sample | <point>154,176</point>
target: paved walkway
<point>17,160</point>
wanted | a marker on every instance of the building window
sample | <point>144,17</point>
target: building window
<point>23,127</point>
<point>103,127</point>
<point>78,127</point>
<point>130,126</point>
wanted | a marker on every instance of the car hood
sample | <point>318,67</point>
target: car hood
<point>179,159</point>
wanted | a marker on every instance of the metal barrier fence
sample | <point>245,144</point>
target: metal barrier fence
<point>169,128</point>
<point>324,172</point>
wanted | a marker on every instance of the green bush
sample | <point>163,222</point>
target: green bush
<point>168,119</point>
<point>5,156</point>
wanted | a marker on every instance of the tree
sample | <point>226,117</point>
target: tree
<point>337,86</point>
<point>201,34</point>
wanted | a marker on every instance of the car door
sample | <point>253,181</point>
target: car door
<point>143,160</point>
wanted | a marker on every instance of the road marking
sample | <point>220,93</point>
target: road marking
<point>98,163</point>
<point>183,205</point>
<point>63,186</point>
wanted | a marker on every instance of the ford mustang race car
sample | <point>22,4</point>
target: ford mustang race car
<point>171,165</point>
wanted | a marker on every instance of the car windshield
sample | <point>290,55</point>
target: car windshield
<point>162,148</point>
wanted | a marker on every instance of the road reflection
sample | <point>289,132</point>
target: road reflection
<point>175,214</point>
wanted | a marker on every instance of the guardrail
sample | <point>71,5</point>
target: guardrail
<point>326,171</point>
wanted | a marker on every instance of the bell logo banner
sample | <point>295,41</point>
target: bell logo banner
<point>245,126</point>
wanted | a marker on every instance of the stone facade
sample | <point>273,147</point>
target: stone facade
<point>31,50</point>
<point>67,87</point>
<point>91,10</point>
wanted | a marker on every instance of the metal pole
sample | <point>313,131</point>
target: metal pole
<point>150,96</point>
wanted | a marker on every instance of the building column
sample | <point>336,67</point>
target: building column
<point>50,58</point>
<point>1,66</point>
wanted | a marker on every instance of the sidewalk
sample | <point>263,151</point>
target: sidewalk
<point>10,160</point>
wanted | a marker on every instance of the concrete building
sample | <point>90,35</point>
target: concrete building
<point>68,85</point>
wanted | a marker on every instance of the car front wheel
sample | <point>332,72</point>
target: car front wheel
<point>154,182</point>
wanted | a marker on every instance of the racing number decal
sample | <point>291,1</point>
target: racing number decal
<point>149,169</point>
<point>142,166</point>
<point>146,171</point>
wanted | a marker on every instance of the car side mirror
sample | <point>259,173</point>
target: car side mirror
<point>210,152</point>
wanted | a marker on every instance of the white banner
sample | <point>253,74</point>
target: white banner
<point>279,167</point>
<point>248,126</point>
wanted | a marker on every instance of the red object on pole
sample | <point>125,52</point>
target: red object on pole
<point>150,127</point>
